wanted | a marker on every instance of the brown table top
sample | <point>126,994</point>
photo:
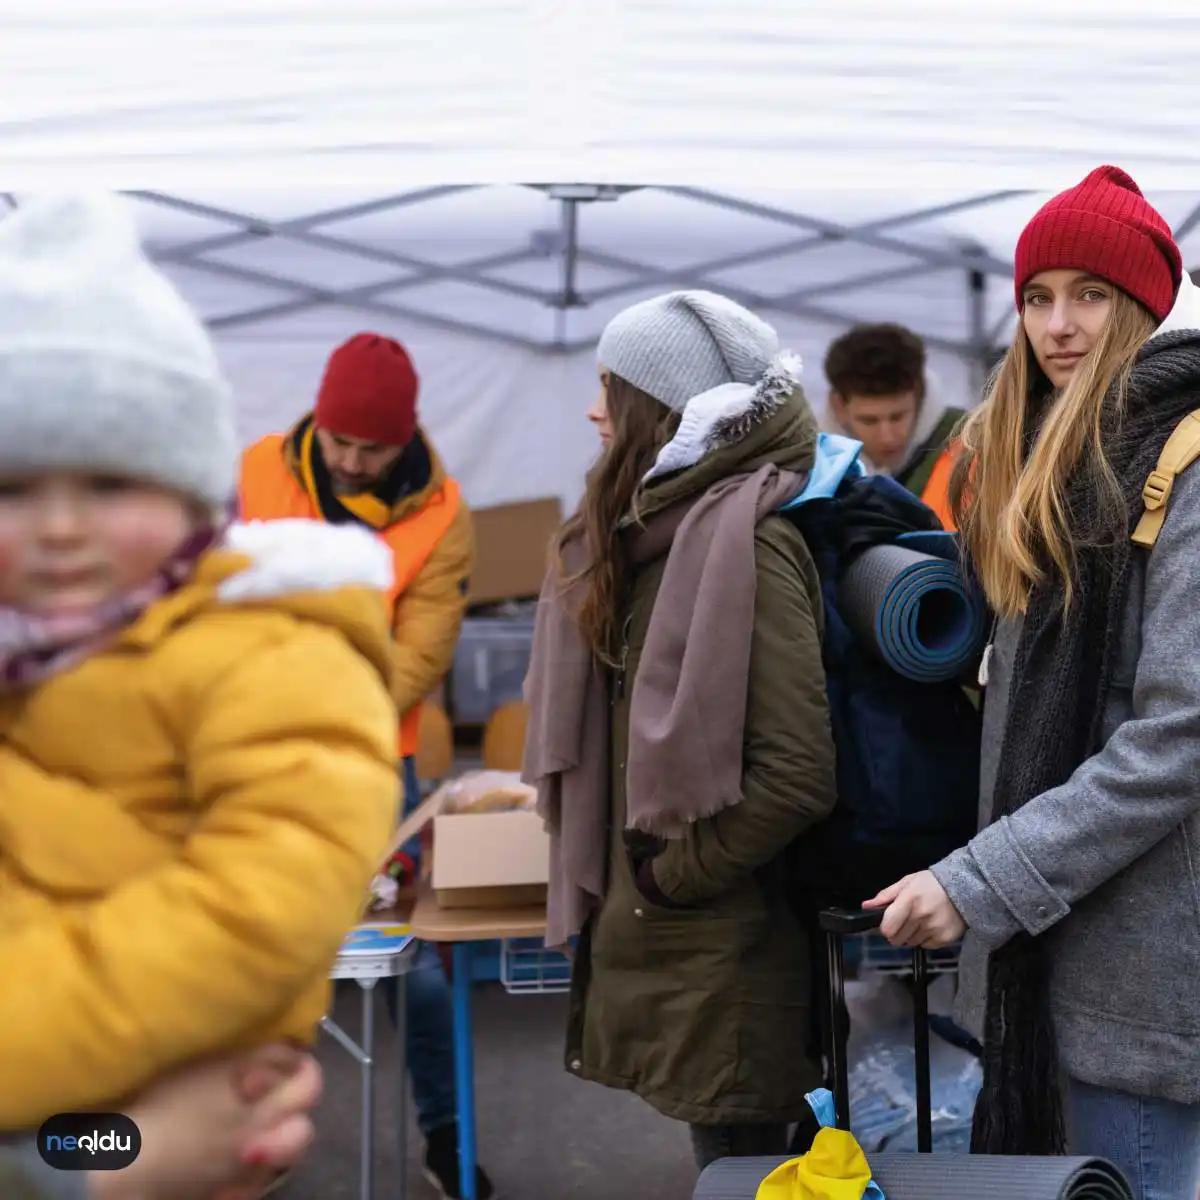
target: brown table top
<point>400,913</point>
<point>432,923</point>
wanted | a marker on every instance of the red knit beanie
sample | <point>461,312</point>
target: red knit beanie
<point>1106,227</point>
<point>369,392</point>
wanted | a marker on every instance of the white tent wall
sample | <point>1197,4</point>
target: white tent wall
<point>509,422</point>
<point>507,368</point>
<point>505,349</point>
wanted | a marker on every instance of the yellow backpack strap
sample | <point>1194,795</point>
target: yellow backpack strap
<point>1182,449</point>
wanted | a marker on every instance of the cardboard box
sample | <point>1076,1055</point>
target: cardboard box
<point>481,860</point>
<point>485,860</point>
<point>512,546</point>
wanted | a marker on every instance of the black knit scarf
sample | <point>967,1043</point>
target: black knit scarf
<point>1061,676</point>
<point>406,476</point>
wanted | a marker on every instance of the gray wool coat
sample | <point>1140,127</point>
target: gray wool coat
<point>1106,867</point>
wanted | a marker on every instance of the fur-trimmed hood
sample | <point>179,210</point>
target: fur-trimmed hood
<point>338,576</point>
<point>725,415</point>
<point>735,429</point>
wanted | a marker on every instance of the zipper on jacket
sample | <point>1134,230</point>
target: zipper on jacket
<point>623,661</point>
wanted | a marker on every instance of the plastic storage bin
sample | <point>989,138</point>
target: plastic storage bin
<point>490,665</point>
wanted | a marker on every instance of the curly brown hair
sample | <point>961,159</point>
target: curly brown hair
<point>641,427</point>
<point>876,360</point>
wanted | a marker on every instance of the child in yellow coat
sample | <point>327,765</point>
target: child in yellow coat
<point>197,740</point>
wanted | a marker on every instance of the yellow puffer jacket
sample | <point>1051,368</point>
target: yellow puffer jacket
<point>190,820</point>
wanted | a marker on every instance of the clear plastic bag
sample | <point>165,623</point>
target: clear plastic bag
<point>486,791</point>
<point>883,1101</point>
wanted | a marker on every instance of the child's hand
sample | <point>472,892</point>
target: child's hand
<point>201,1138</point>
<point>260,1072</point>
<point>286,1134</point>
<point>282,1129</point>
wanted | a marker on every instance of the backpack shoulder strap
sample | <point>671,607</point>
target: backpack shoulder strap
<point>1182,449</point>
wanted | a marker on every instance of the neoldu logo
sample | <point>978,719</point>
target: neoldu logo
<point>89,1141</point>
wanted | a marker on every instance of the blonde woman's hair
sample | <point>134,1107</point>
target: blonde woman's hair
<point>1012,509</point>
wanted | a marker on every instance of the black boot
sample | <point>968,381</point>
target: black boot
<point>441,1166</point>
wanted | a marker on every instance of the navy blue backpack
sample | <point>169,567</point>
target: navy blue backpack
<point>907,750</point>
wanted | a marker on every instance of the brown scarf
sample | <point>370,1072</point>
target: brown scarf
<point>688,701</point>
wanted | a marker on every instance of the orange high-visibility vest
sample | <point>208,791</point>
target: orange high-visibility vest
<point>268,491</point>
<point>936,492</point>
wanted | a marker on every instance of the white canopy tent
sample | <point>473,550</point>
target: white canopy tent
<point>306,170</point>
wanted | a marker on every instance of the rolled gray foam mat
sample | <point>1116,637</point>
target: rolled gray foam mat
<point>907,1176</point>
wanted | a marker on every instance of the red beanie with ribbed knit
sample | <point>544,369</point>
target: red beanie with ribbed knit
<point>369,392</point>
<point>1105,226</point>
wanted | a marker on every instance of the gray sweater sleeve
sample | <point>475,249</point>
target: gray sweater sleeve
<point>24,1176</point>
<point>1025,871</point>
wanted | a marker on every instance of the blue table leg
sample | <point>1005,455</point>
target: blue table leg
<point>464,1068</point>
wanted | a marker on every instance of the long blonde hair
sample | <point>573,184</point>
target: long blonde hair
<point>1012,509</point>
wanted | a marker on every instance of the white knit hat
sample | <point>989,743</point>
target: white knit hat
<point>103,366</point>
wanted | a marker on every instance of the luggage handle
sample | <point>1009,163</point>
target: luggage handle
<point>838,924</point>
<point>847,921</point>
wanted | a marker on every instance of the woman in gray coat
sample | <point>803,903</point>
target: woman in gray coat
<point>1080,897</point>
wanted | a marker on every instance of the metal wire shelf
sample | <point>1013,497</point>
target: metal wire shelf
<point>528,968</point>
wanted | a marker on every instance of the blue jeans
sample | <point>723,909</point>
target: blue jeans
<point>429,1016</point>
<point>1156,1143</point>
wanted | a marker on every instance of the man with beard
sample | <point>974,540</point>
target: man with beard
<point>361,456</point>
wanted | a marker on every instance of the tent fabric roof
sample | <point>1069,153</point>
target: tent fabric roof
<point>304,168</point>
<point>756,94</point>
<point>764,131</point>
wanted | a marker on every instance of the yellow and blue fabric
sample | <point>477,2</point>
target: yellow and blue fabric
<point>835,1168</point>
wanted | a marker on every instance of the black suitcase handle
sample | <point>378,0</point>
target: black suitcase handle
<point>845,922</point>
<point>838,924</point>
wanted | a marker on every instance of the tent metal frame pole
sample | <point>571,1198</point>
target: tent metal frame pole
<point>375,307</point>
<point>255,228</point>
<point>568,298</point>
<point>347,296</point>
<point>1187,224</point>
<point>796,246</point>
<point>749,299</point>
<point>302,231</point>
<point>980,343</point>
<point>833,231</point>
<point>376,296</point>
<point>853,283</point>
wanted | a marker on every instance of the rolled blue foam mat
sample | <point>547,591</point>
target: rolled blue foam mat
<point>915,610</point>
